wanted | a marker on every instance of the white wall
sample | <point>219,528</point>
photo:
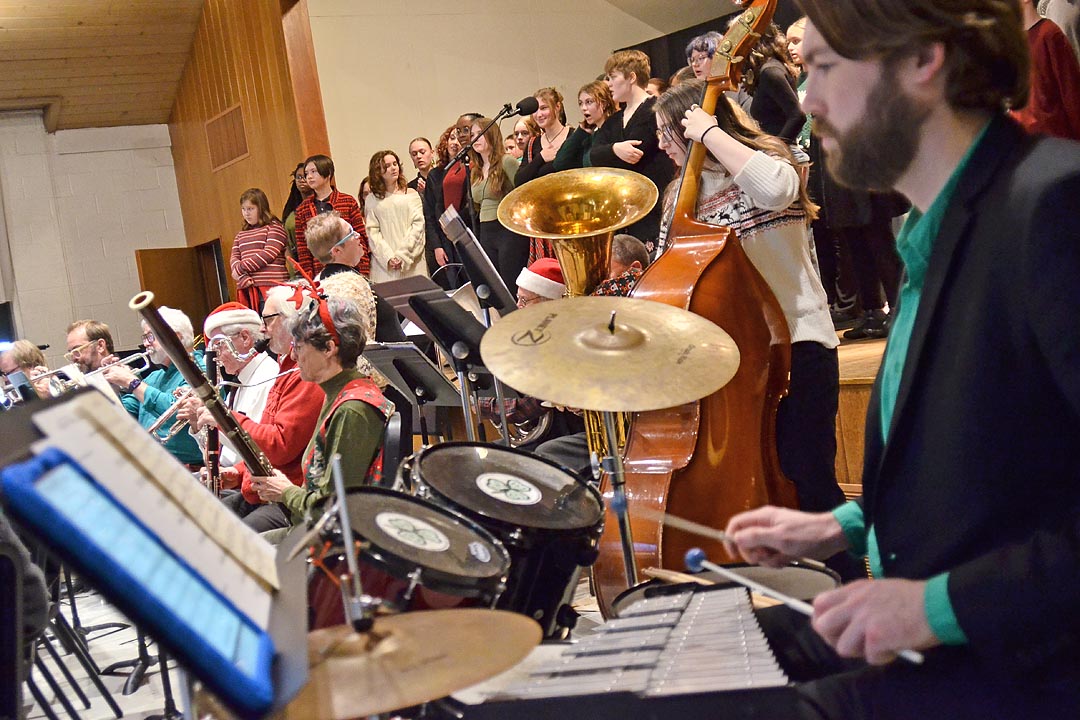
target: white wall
<point>391,71</point>
<point>77,204</point>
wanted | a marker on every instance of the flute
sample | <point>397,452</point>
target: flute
<point>249,452</point>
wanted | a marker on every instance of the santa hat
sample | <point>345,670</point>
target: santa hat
<point>544,277</point>
<point>231,313</point>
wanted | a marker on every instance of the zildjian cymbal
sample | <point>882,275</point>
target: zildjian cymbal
<point>610,354</point>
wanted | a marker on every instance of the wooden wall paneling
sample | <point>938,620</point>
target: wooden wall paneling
<point>850,433</point>
<point>300,48</point>
<point>238,57</point>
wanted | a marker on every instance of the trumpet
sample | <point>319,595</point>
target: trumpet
<point>181,394</point>
<point>143,360</point>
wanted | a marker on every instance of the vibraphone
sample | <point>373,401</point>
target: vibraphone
<point>696,651</point>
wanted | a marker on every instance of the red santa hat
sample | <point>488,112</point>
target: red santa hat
<point>544,277</point>
<point>231,313</point>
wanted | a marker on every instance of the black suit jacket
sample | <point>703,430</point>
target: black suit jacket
<point>979,475</point>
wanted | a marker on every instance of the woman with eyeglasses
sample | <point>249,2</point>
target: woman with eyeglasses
<point>257,259</point>
<point>550,117</point>
<point>750,184</point>
<point>700,51</point>
<point>394,214</point>
<point>493,174</point>
<point>597,105</point>
<point>327,338</point>
<point>298,192</point>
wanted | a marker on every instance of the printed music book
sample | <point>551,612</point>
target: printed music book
<point>113,502</point>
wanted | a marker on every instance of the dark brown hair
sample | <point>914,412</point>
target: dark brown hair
<point>986,49</point>
<point>601,93</point>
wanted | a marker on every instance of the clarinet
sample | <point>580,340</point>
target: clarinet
<point>249,452</point>
<point>213,441</point>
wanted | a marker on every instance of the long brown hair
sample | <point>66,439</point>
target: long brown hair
<point>497,182</point>
<point>771,46</point>
<point>257,197</point>
<point>671,107</point>
<point>375,174</point>
<point>554,99</point>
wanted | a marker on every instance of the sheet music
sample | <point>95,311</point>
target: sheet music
<point>165,497</point>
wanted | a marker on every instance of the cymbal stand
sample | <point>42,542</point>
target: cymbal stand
<point>484,292</point>
<point>359,608</point>
<point>613,466</point>
<point>459,351</point>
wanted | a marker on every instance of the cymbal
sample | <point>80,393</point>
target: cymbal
<point>408,659</point>
<point>569,352</point>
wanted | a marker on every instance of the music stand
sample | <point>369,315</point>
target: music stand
<point>415,376</point>
<point>490,288</point>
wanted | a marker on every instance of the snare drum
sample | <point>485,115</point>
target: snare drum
<point>797,581</point>
<point>548,520</point>
<point>414,556</point>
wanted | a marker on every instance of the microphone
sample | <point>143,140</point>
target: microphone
<point>526,106</point>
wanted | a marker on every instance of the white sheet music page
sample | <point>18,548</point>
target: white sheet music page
<point>163,495</point>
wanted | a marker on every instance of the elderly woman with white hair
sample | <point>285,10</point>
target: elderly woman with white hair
<point>148,398</point>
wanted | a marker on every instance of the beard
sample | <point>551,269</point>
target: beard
<point>875,152</point>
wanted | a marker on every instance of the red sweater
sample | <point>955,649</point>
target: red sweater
<point>288,422</point>
<point>1053,107</point>
<point>259,253</point>
<point>348,208</point>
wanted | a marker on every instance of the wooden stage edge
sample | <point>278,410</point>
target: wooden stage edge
<point>859,362</point>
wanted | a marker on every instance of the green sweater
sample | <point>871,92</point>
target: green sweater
<point>355,431</point>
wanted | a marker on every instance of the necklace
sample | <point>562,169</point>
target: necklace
<point>551,142</point>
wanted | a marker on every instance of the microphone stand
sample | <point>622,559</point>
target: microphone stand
<point>508,110</point>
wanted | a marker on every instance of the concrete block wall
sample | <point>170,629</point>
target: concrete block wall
<point>77,205</point>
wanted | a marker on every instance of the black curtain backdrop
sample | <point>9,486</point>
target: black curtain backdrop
<point>667,54</point>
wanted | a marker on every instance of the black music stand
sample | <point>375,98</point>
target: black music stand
<point>490,288</point>
<point>415,377</point>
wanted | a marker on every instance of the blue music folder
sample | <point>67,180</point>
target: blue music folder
<point>216,641</point>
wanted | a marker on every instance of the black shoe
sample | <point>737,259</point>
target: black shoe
<point>843,318</point>
<point>873,324</point>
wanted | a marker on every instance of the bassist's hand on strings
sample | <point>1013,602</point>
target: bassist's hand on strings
<point>775,536</point>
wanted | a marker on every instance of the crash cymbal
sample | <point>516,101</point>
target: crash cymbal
<point>407,660</point>
<point>570,352</point>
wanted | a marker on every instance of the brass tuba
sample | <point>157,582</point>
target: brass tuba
<point>579,211</point>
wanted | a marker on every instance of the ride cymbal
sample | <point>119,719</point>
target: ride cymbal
<point>407,660</point>
<point>610,353</point>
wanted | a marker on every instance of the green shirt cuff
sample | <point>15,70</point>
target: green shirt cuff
<point>852,522</point>
<point>939,611</point>
<point>292,498</point>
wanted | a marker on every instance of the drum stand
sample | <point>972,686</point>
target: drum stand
<point>613,466</point>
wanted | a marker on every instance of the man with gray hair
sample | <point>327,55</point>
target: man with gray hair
<point>148,399</point>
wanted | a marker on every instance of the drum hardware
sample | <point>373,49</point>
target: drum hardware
<point>359,608</point>
<point>591,349</point>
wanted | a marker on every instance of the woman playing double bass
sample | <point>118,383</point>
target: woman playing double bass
<point>749,183</point>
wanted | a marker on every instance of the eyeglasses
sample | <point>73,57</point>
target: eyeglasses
<point>271,316</point>
<point>698,59</point>
<point>525,302</point>
<point>664,133</point>
<point>73,353</point>
<point>347,238</point>
<point>148,337</point>
<point>463,133</point>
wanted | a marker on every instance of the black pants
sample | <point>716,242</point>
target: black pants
<point>508,252</point>
<point>877,266</point>
<point>259,518</point>
<point>950,684</point>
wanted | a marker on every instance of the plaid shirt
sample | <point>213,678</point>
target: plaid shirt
<point>349,209</point>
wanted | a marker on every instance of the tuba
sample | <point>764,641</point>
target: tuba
<point>579,211</point>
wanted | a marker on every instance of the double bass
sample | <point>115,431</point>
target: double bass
<point>711,459</point>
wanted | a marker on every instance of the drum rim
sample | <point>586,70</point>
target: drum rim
<point>419,483</point>
<point>450,584</point>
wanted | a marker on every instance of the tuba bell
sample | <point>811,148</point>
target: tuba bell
<point>579,211</point>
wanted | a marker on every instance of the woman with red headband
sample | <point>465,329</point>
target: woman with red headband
<point>328,337</point>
